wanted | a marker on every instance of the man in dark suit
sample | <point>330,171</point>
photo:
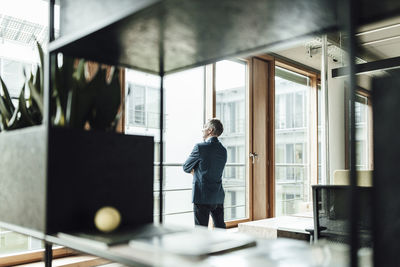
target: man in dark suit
<point>206,163</point>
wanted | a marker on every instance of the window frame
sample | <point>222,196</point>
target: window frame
<point>367,94</point>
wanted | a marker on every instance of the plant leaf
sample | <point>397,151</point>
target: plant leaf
<point>8,101</point>
<point>3,123</point>
<point>108,101</point>
<point>25,116</point>
<point>79,73</point>
<point>36,96</point>
<point>36,81</point>
<point>82,99</point>
<point>4,110</point>
<point>41,67</point>
<point>59,119</point>
<point>13,123</point>
<point>64,82</point>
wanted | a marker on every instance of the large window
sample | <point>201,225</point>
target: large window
<point>185,105</point>
<point>292,142</point>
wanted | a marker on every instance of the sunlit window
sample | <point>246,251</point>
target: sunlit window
<point>231,110</point>
<point>183,122</point>
<point>292,164</point>
<point>184,111</point>
<point>362,118</point>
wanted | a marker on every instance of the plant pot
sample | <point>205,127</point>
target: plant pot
<point>23,180</point>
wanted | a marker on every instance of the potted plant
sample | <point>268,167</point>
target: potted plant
<point>63,174</point>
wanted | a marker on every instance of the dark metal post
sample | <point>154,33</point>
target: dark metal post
<point>349,17</point>
<point>161,72</point>
<point>49,60</point>
<point>51,20</point>
<point>316,221</point>
<point>161,144</point>
<point>48,254</point>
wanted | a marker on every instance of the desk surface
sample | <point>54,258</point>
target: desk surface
<point>282,252</point>
<point>267,228</point>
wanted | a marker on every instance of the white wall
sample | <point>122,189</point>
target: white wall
<point>337,115</point>
<point>336,99</point>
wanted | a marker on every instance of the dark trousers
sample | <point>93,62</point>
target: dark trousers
<point>202,213</point>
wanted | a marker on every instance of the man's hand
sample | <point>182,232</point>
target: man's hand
<point>192,172</point>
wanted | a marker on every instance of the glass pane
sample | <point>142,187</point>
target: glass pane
<point>292,182</point>
<point>183,91</point>
<point>362,139</point>
<point>142,115</point>
<point>11,242</point>
<point>22,22</point>
<point>184,109</point>
<point>231,110</point>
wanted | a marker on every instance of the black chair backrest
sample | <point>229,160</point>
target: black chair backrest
<point>331,213</point>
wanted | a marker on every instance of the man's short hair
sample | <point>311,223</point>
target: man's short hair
<point>216,126</point>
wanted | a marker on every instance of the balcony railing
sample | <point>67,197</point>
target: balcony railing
<point>236,127</point>
<point>145,119</point>
<point>226,184</point>
<point>295,173</point>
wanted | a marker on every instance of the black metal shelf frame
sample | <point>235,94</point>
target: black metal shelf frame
<point>163,37</point>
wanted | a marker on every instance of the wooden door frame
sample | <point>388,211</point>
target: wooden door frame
<point>270,115</point>
<point>273,62</point>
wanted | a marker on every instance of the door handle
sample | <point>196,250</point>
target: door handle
<point>253,156</point>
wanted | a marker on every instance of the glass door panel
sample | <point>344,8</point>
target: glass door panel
<point>292,164</point>
<point>231,109</point>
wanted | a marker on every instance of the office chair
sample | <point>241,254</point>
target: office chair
<point>331,214</point>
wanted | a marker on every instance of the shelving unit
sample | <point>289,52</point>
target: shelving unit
<point>163,37</point>
<point>181,34</point>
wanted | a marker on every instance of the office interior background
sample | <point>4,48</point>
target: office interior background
<point>302,153</point>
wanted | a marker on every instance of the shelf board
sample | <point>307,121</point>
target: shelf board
<point>194,33</point>
<point>188,33</point>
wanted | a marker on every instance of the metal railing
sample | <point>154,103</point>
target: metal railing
<point>225,185</point>
<point>144,119</point>
<point>191,211</point>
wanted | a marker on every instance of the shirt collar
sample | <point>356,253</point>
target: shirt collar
<point>209,139</point>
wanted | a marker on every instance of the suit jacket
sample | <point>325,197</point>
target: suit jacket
<point>208,161</point>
